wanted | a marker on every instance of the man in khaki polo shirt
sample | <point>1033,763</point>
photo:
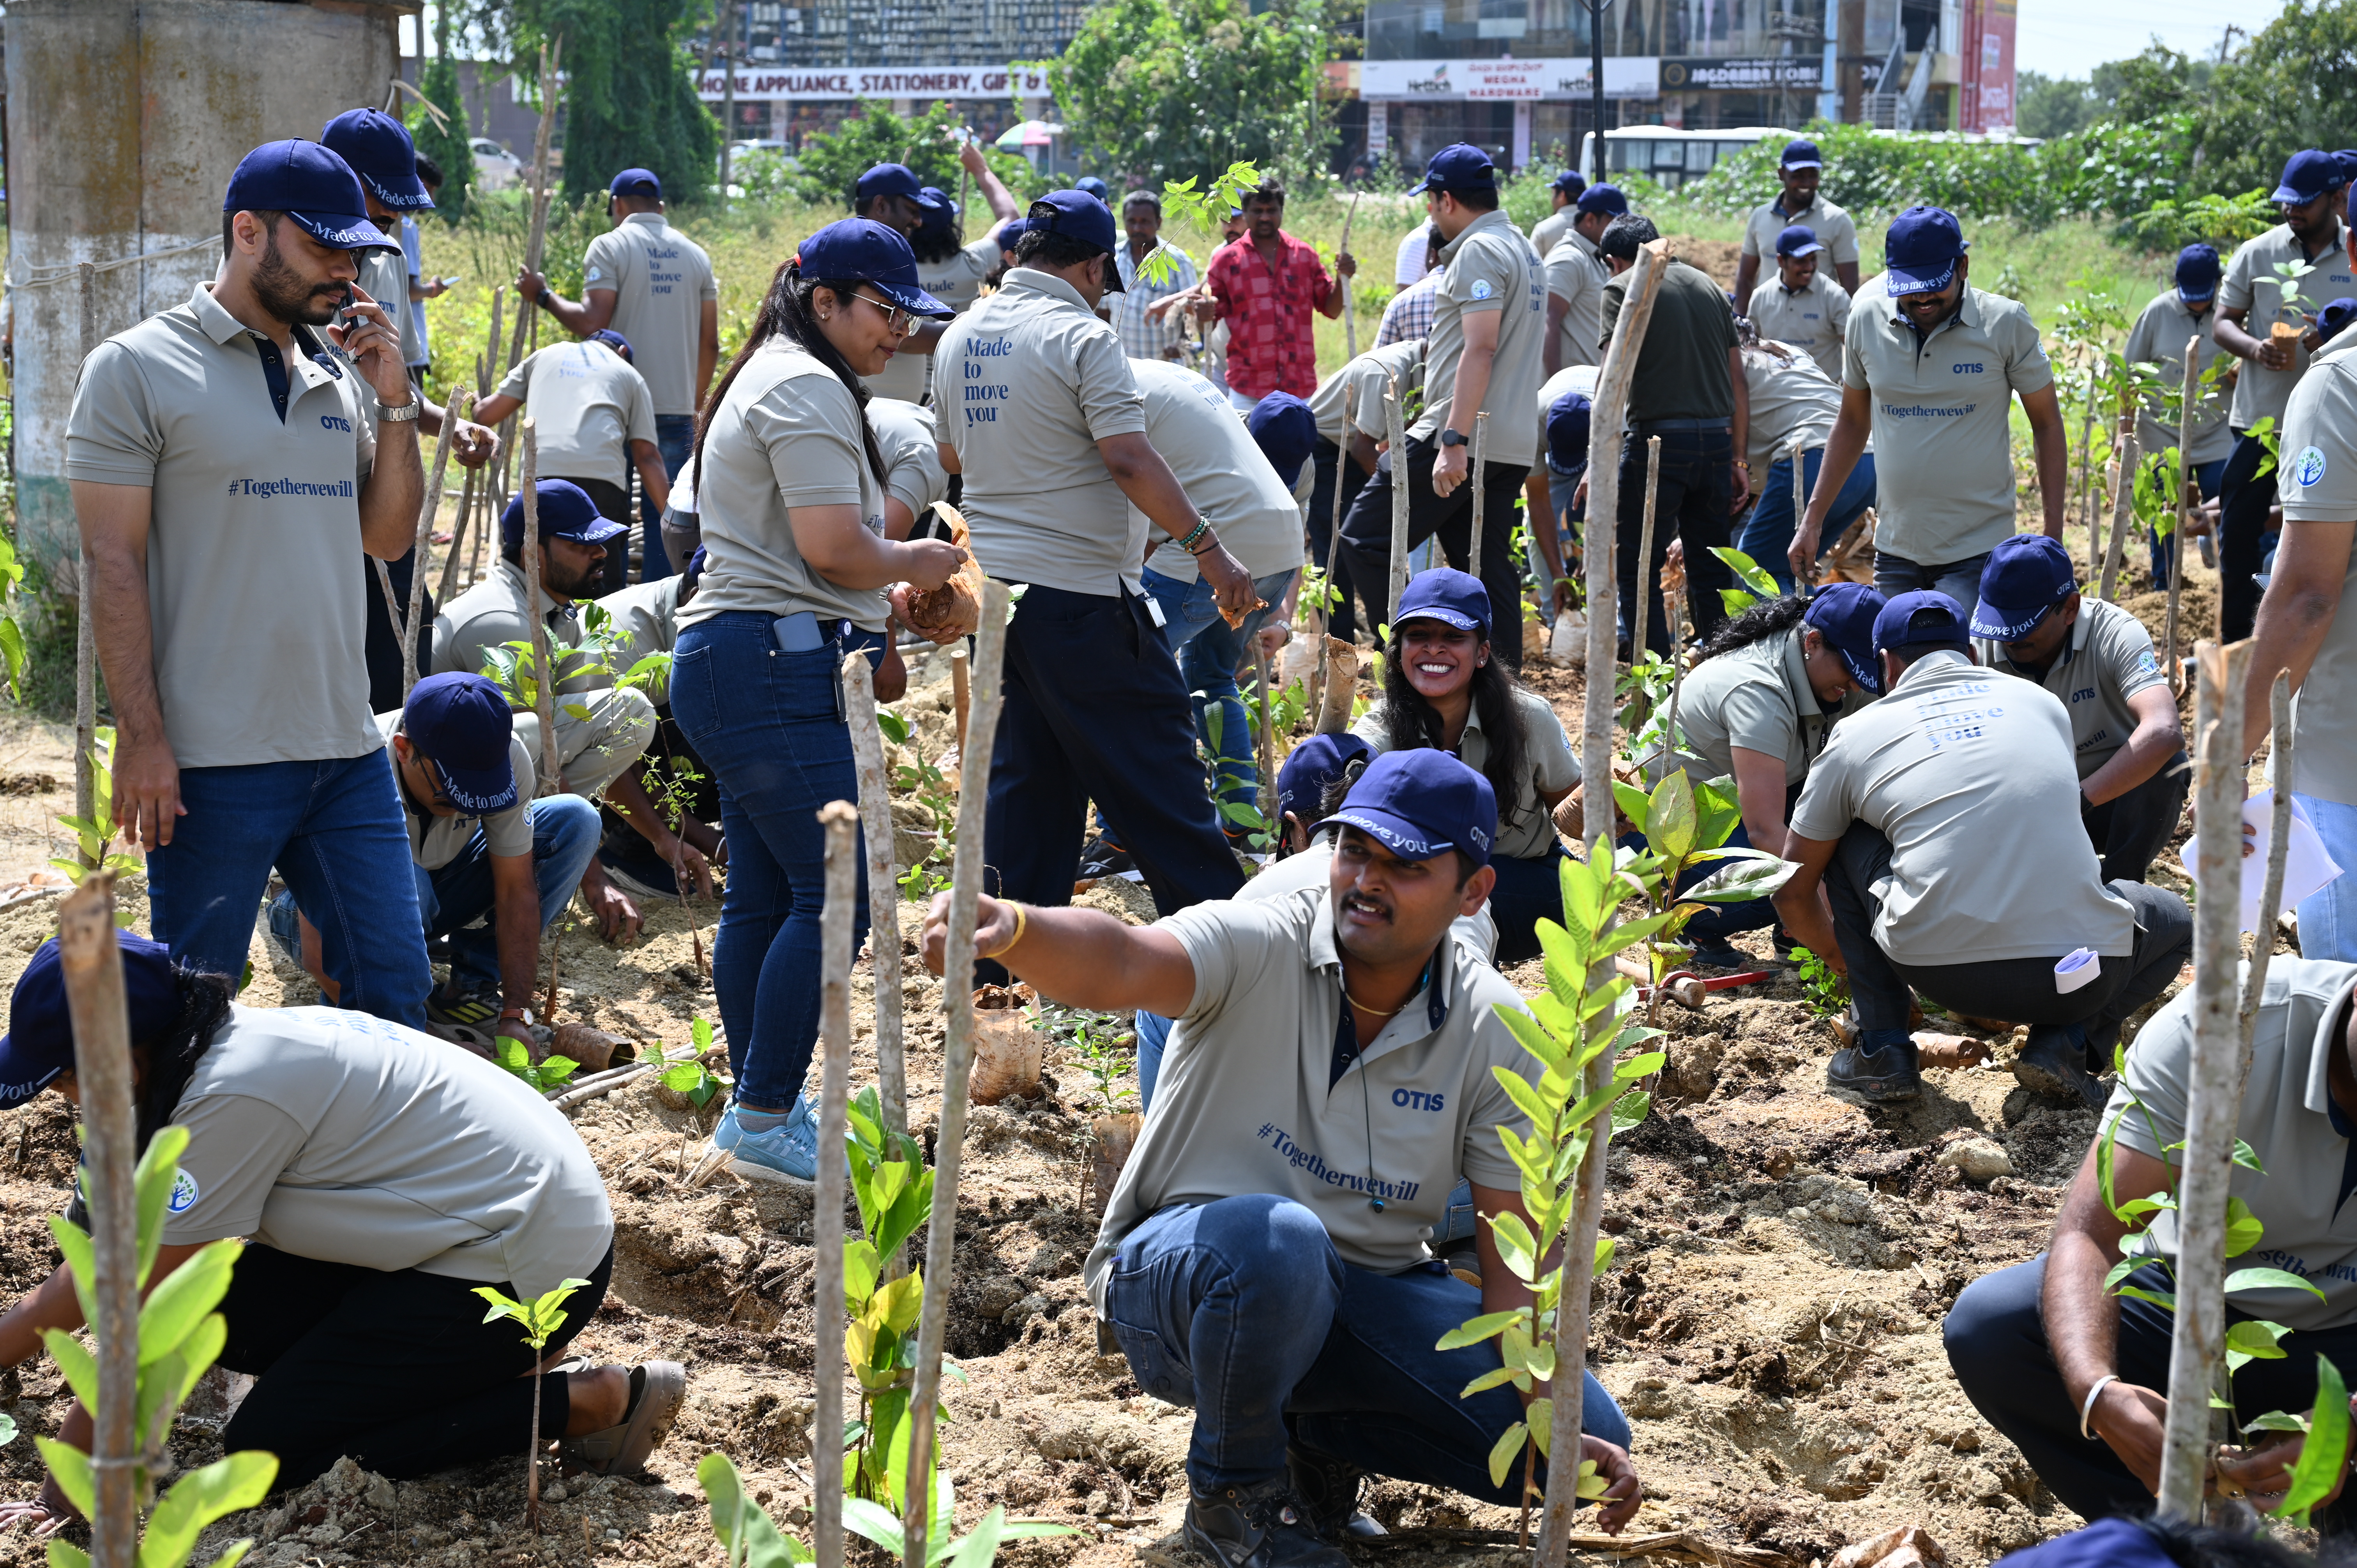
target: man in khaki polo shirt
<point>1262,1257</point>
<point>1800,169</point>
<point>2186,312</point>
<point>226,461</point>
<point>1802,306</point>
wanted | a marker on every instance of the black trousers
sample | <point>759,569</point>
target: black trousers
<point>1332,464</point>
<point>1095,710</point>
<point>397,1369</point>
<point>613,504</point>
<point>383,646</point>
<point>1696,488</point>
<point>2243,501</point>
<point>1365,546</point>
<point>2130,830</point>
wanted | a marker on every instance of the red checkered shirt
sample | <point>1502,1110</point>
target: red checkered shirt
<point>1271,315</point>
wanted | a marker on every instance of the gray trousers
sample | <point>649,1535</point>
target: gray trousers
<point>1960,580</point>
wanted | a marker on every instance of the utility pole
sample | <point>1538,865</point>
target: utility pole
<point>728,90</point>
<point>1596,9</point>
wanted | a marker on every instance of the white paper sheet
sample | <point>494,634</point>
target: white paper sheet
<point>2307,866</point>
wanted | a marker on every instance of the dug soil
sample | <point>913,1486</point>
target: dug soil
<point>1771,1324</point>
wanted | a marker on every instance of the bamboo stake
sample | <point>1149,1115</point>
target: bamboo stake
<point>551,53</point>
<point>86,634</point>
<point>458,537</point>
<point>1398,434</point>
<point>1605,439</point>
<point>2123,513</point>
<point>2086,487</point>
<point>544,671</point>
<point>1800,507</point>
<point>1334,548</point>
<point>1349,307</point>
<point>2213,1104</point>
<point>1642,612</point>
<point>92,962</point>
<point>834,1166</point>
<point>2262,946</point>
<point>1480,446</point>
<point>1674,606</point>
<point>1267,748</point>
<point>2184,490</point>
<point>883,890</point>
<point>957,1061</point>
<point>452,414</point>
<point>961,693</point>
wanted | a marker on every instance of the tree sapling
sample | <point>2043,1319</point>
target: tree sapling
<point>540,1320</point>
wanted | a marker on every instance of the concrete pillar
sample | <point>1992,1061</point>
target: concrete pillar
<point>125,118</point>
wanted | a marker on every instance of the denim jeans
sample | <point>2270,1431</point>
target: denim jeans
<point>1768,537</point>
<point>1527,891</point>
<point>2245,498</point>
<point>1691,503</point>
<point>1209,651</point>
<point>335,832</point>
<point>452,897</point>
<point>765,723</point>
<point>2328,917</point>
<point>675,439</point>
<point>1960,580</point>
<point>2207,476</point>
<point>1242,1309</point>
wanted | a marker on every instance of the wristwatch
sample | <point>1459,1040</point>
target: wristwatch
<point>1454,438</point>
<point>405,414</point>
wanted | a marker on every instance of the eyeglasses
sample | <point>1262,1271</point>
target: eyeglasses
<point>897,321</point>
<point>433,777</point>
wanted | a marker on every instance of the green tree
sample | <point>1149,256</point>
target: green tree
<point>1171,90</point>
<point>629,95</point>
<point>2293,86</point>
<point>446,142</point>
<point>832,161</point>
<point>2051,106</point>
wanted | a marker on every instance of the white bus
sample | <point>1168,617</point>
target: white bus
<point>1670,157</point>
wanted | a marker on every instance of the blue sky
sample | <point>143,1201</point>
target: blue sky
<point>2067,38</point>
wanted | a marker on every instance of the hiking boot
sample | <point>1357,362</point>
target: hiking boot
<point>1263,1526</point>
<point>1329,1488</point>
<point>786,1154</point>
<point>1886,1077</point>
<point>2052,1064</point>
<point>474,1007</point>
<point>1103,857</point>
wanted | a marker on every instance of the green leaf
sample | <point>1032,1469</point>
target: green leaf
<point>1515,1244</point>
<point>1670,822</point>
<point>77,1362</point>
<point>1502,1452</point>
<point>745,1527</point>
<point>201,1497</point>
<point>895,727</point>
<point>2326,1452</point>
<point>980,1549</point>
<point>700,1032</point>
<point>861,1266</point>
<point>2277,1420</point>
<point>180,1302</point>
<point>1492,1378</point>
<point>2247,1157</point>
<point>1750,571</point>
<point>2268,1279</point>
<point>556,1069</point>
<point>1733,602</point>
<point>1474,1330</point>
<point>1631,1110</point>
<point>70,1467</point>
<point>2158,1298</point>
<point>2243,1228</point>
<point>1753,877</point>
<point>2256,1340</point>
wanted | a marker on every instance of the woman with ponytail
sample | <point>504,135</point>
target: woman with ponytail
<point>791,487</point>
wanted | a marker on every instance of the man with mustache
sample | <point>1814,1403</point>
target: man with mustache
<point>1327,1081</point>
<point>225,463</point>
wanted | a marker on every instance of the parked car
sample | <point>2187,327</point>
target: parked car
<point>496,168</point>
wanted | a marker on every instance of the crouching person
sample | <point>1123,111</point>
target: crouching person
<point>1328,1080</point>
<point>480,845</point>
<point>380,1177</point>
<point>2076,1374</point>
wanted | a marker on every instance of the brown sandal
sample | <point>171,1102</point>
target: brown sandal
<point>658,1390</point>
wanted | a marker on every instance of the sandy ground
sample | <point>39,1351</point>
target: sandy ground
<point>1772,1325</point>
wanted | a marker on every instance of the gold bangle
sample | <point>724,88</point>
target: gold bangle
<point>1022,919</point>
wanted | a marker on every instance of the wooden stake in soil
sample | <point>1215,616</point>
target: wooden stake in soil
<point>1342,662</point>
<point>458,536</point>
<point>1799,504</point>
<point>2086,495</point>
<point>2184,500</point>
<point>1398,436</point>
<point>883,887</point>
<point>2262,946</point>
<point>957,1061</point>
<point>2213,1103</point>
<point>1349,307</point>
<point>551,55</point>
<point>544,671</point>
<point>834,1166</point>
<point>457,410</point>
<point>1474,465</point>
<point>1267,746</point>
<point>92,962</point>
<point>1643,610</point>
<point>2123,514</point>
<point>961,694</point>
<point>86,634</point>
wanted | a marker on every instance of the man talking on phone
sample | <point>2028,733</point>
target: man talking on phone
<point>226,462</point>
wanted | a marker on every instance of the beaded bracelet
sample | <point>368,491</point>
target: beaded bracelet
<point>1201,525</point>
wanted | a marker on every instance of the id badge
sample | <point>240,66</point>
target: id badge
<point>1154,608</point>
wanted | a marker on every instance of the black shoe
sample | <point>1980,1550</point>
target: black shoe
<point>1874,1078</point>
<point>1266,1525</point>
<point>2051,1064</point>
<point>1101,857</point>
<point>1781,947</point>
<point>1329,1488</point>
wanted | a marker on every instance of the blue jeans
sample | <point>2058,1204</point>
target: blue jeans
<point>451,897</point>
<point>2208,478</point>
<point>765,723</point>
<point>675,439</point>
<point>1960,580</point>
<point>1242,1309</point>
<point>335,832</point>
<point>1209,651</point>
<point>1768,537</point>
<point>2328,917</point>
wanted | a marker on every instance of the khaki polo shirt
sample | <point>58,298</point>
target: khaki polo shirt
<point>1525,825</point>
<point>956,282</point>
<point>1224,472</point>
<point>1243,1103</point>
<point>255,586</point>
<point>660,279</point>
<point>1943,440</point>
<point>2317,482</point>
<point>787,434</point>
<point>1576,275</point>
<point>2109,660</point>
<point>912,453</point>
<point>384,277</point>
<point>1314,867</point>
<point>1377,371</point>
<point>1790,400</point>
<point>491,615</point>
<point>646,616</point>
<point>1833,226</point>
<point>1490,267</point>
<point>2158,337</point>
<point>2289,1120</point>
<point>588,404</point>
<point>1550,230</point>
<point>1757,697</point>
<point>2252,283</point>
<point>329,1134</point>
<point>434,842</point>
<point>1812,319</point>
<point>1039,380</point>
<point>1969,775</point>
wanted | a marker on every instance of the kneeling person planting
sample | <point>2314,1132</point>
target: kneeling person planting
<point>480,845</point>
<point>1329,1079</point>
<point>1943,824</point>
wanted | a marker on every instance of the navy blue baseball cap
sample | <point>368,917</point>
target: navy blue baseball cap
<point>2106,1544</point>
<point>39,1042</point>
<point>635,182</point>
<point>311,185</point>
<point>694,568</point>
<point>1922,247</point>
<point>1285,431</point>
<point>1567,429</point>
<point>1571,182</point>
<point>1460,165</point>
<point>888,180</point>
<point>1844,613</point>
<point>1798,240</point>
<point>1801,155</point>
<point>1942,620</point>
<point>565,513</point>
<point>1077,215</point>
<point>2027,575</point>
<point>1013,228</point>
<point>1445,593</point>
<point>860,250</point>
<point>1604,198</point>
<point>1095,187</point>
<point>2334,317</point>
<point>1422,803</point>
<point>1311,769</point>
<point>612,339</point>
<point>378,147</point>
<point>2196,273</point>
<point>2309,175</point>
<point>461,724</point>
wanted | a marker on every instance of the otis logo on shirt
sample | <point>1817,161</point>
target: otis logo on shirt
<point>1416,1099</point>
<point>185,1193</point>
<point>2308,467</point>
